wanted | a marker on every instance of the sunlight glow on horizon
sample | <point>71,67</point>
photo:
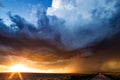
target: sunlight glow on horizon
<point>23,68</point>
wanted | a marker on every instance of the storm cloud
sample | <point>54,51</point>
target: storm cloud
<point>68,26</point>
<point>91,23</point>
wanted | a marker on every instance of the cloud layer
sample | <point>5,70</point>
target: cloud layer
<point>86,22</point>
<point>67,25</point>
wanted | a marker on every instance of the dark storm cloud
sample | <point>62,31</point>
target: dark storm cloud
<point>21,30</point>
<point>55,31</point>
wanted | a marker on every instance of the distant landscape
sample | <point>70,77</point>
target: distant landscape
<point>53,76</point>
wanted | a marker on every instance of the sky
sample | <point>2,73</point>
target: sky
<point>21,7</point>
<point>70,36</point>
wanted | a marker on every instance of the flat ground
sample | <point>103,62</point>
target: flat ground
<point>45,76</point>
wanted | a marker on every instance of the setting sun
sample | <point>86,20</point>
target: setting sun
<point>23,68</point>
<point>18,68</point>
